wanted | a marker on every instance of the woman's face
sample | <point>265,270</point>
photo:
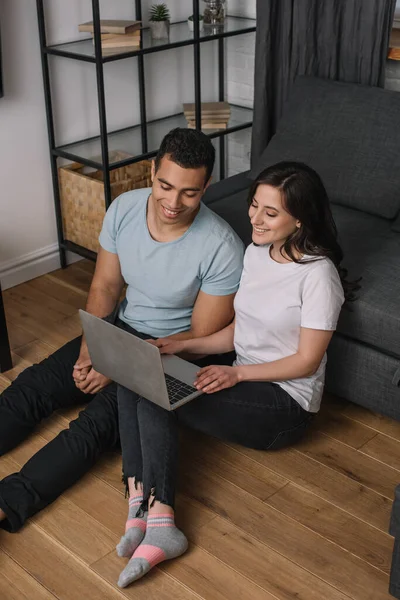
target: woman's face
<point>272,224</point>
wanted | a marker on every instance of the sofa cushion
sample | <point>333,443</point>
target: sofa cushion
<point>371,251</point>
<point>350,135</point>
<point>396,224</point>
<point>234,209</point>
<point>363,375</point>
<point>227,187</point>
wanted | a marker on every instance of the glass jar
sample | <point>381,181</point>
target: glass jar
<point>214,13</point>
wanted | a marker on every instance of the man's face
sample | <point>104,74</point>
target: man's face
<point>176,192</point>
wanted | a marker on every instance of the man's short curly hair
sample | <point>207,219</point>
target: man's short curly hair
<point>188,148</point>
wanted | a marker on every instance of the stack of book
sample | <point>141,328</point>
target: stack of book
<point>214,115</point>
<point>116,36</point>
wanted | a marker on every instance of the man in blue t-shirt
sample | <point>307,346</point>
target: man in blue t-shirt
<point>182,265</point>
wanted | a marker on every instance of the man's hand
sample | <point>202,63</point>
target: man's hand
<point>93,383</point>
<point>81,369</point>
<point>215,378</point>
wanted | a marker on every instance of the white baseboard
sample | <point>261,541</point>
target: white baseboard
<point>31,265</point>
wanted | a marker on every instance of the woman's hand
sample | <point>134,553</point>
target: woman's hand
<point>215,378</point>
<point>169,346</point>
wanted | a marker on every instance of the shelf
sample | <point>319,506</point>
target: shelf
<point>179,36</point>
<point>129,140</point>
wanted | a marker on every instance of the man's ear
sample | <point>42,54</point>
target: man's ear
<point>153,170</point>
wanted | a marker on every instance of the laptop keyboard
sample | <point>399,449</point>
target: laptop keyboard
<point>177,390</point>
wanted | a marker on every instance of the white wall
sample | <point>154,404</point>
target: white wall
<point>28,240</point>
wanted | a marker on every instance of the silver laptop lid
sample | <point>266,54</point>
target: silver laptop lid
<point>126,359</point>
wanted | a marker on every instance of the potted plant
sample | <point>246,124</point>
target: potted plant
<point>191,23</point>
<point>159,21</point>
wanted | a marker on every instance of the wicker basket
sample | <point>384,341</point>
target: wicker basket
<point>83,201</point>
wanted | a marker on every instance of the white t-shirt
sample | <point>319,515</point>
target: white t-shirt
<point>273,302</point>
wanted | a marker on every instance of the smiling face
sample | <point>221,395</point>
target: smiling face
<point>176,193</point>
<point>271,223</point>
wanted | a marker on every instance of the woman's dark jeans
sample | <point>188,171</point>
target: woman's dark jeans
<point>255,414</point>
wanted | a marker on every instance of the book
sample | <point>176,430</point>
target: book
<point>206,125</point>
<point>207,108</point>
<point>110,36</point>
<point>120,41</point>
<point>109,51</point>
<point>111,26</point>
<point>217,118</point>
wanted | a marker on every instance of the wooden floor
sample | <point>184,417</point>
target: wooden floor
<point>308,523</point>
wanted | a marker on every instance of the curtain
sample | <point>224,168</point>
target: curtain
<point>344,40</point>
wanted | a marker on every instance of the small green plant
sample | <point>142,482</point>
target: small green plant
<point>159,12</point>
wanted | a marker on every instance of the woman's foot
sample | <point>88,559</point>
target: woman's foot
<point>135,527</point>
<point>162,541</point>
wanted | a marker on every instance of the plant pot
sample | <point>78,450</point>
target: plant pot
<point>191,24</point>
<point>159,29</point>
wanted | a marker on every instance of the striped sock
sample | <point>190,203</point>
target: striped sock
<point>162,541</point>
<point>135,527</point>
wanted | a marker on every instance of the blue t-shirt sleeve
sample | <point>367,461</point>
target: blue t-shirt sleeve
<point>108,234</point>
<point>224,271</point>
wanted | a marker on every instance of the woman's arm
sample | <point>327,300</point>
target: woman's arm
<point>217,343</point>
<point>312,347</point>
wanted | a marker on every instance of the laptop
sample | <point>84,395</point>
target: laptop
<point>137,365</point>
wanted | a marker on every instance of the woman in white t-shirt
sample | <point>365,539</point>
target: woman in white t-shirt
<point>287,308</point>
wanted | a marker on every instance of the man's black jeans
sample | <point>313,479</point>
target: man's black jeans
<point>255,414</point>
<point>35,395</point>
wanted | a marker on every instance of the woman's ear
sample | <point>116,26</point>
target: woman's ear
<point>298,224</point>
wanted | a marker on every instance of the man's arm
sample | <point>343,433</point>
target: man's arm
<point>106,287</point>
<point>210,314</point>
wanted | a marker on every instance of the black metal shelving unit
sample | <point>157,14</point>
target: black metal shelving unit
<point>140,140</point>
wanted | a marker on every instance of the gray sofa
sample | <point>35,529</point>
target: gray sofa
<point>351,135</point>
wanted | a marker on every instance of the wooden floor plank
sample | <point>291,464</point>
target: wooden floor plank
<point>76,278</point>
<point>385,449</point>
<point>378,422</point>
<point>212,579</point>
<point>348,532</point>
<point>57,569</point>
<point>155,586</point>
<point>265,567</point>
<point>336,425</point>
<point>231,465</point>
<point>76,530</point>
<point>54,334</point>
<point>86,265</point>
<point>356,466</point>
<point>337,567</point>
<point>18,335</point>
<point>54,288</point>
<point>17,584</point>
<point>34,352</point>
<point>19,365</point>
<point>4,383</point>
<point>327,483</point>
<point>100,501</point>
<point>38,303</point>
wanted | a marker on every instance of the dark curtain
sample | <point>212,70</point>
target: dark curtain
<point>344,40</point>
